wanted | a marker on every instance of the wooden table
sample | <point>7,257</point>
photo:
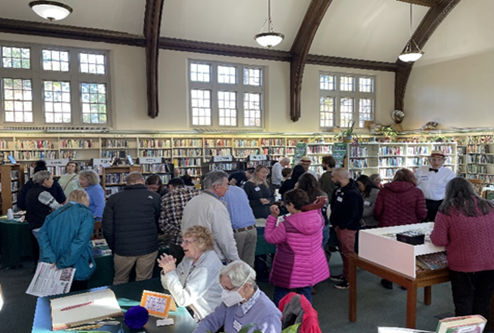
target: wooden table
<point>424,279</point>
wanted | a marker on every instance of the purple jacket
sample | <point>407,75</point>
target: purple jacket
<point>299,260</point>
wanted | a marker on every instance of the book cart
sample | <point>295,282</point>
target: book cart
<point>395,261</point>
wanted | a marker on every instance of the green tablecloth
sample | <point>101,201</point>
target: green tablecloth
<point>15,242</point>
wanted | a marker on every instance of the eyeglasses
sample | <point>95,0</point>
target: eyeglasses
<point>187,242</point>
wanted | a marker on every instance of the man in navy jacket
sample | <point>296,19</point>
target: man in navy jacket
<point>346,213</point>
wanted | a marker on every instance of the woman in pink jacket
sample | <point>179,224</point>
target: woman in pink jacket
<point>299,262</point>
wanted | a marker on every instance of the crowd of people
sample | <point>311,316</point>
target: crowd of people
<point>212,233</point>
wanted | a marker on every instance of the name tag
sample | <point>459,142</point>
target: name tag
<point>366,203</point>
<point>257,188</point>
<point>424,178</point>
<point>339,199</point>
<point>236,325</point>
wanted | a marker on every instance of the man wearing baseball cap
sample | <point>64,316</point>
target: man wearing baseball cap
<point>432,180</point>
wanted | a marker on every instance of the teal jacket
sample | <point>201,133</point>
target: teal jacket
<point>65,237</point>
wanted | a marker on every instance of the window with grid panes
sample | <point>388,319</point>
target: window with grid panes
<point>225,95</point>
<point>346,98</point>
<point>44,85</point>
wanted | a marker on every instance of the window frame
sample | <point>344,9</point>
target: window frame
<point>338,95</point>
<point>238,88</point>
<point>38,75</point>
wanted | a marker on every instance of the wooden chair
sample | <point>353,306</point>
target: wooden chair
<point>478,185</point>
<point>97,231</point>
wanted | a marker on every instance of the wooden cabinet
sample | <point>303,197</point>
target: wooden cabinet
<point>11,179</point>
<point>113,178</point>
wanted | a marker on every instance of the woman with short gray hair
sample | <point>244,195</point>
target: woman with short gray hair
<point>243,303</point>
<point>39,204</point>
<point>89,181</point>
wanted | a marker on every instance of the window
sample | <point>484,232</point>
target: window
<point>53,85</point>
<point>225,95</point>
<point>346,98</point>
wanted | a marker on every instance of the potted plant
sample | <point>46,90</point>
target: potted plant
<point>346,134</point>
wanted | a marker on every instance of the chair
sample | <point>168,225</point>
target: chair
<point>478,185</point>
<point>97,231</point>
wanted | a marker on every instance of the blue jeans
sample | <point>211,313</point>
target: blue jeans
<point>280,292</point>
<point>325,236</point>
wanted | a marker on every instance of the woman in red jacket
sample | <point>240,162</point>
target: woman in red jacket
<point>465,226</point>
<point>398,203</point>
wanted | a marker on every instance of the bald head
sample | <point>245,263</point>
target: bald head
<point>340,176</point>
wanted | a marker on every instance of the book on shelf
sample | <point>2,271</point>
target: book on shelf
<point>466,324</point>
<point>83,308</point>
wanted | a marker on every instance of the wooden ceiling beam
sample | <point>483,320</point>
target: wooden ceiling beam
<point>426,3</point>
<point>69,32</point>
<point>434,17</point>
<point>152,26</point>
<point>300,50</point>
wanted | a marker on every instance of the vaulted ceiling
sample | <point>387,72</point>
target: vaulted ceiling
<point>349,33</point>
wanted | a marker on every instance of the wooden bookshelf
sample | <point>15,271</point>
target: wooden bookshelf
<point>11,179</point>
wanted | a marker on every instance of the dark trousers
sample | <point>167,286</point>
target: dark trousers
<point>35,246</point>
<point>472,292</point>
<point>280,292</point>
<point>432,207</point>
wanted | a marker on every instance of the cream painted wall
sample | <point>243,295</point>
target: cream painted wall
<point>129,88</point>
<point>452,83</point>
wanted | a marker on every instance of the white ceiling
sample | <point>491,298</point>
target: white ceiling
<point>359,29</point>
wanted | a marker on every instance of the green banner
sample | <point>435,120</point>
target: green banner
<point>300,151</point>
<point>339,153</point>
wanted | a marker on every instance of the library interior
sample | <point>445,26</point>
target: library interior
<point>183,88</point>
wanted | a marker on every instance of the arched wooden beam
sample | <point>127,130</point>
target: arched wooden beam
<point>424,31</point>
<point>152,24</point>
<point>300,50</point>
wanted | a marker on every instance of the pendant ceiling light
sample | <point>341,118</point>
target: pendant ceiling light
<point>50,10</point>
<point>270,38</point>
<point>412,51</point>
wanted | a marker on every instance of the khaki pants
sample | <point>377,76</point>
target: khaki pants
<point>246,245</point>
<point>144,267</point>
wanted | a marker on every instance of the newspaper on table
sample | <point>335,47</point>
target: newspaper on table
<point>49,280</point>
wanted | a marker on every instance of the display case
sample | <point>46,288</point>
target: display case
<point>381,247</point>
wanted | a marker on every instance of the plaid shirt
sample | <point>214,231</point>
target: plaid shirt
<point>172,208</point>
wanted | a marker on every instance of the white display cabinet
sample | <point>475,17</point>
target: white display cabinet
<point>380,246</point>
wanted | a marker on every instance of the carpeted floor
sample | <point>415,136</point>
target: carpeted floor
<point>376,306</point>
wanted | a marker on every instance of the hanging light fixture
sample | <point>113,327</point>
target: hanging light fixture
<point>270,38</point>
<point>412,51</point>
<point>51,10</point>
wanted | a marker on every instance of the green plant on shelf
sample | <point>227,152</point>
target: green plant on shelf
<point>388,131</point>
<point>347,134</point>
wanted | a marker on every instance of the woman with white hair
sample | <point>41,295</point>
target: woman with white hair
<point>64,239</point>
<point>243,304</point>
<point>193,282</point>
<point>89,181</point>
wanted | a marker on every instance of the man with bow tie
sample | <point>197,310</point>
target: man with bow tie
<point>432,180</point>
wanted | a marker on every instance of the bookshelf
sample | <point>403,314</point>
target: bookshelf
<point>113,178</point>
<point>187,156</point>
<point>217,147</point>
<point>11,179</point>
<point>242,148</point>
<point>156,165</point>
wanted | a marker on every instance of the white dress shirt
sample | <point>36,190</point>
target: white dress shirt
<point>276,175</point>
<point>433,184</point>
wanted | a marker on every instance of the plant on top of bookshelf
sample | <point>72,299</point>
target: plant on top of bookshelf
<point>347,134</point>
<point>388,131</point>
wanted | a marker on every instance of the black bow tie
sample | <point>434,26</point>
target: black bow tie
<point>435,170</point>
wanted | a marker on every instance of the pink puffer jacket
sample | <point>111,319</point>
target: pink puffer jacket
<point>299,260</point>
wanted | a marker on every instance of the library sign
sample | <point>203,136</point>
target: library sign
<point>223,158</point>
